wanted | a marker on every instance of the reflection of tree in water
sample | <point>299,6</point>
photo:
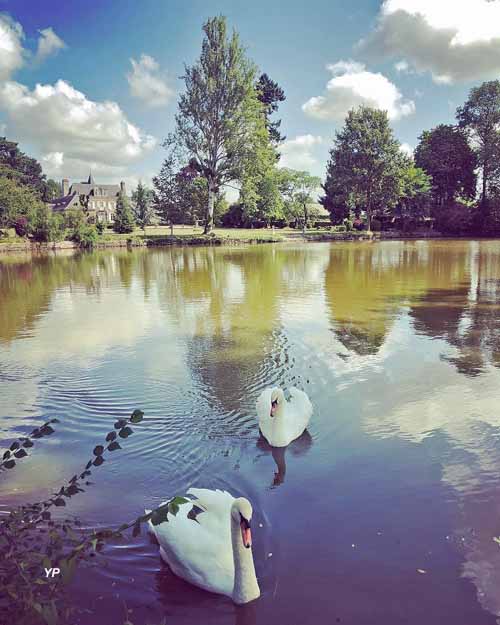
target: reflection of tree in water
<point>228,302</point>
<point>358,341</point>
<point>126,262</point>
<point>467,317</point>
<point>368,284</point>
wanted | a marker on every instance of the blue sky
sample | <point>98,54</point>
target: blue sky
<point>94,110</point>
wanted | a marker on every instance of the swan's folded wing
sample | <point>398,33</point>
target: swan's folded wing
<point>216,502</point>
<point>198,551</point>
<point>302,405</point>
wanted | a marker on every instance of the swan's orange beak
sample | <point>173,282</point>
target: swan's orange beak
<point>274,406</point>
<point>246,534</point>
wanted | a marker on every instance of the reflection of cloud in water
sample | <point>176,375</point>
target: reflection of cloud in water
<point>82,330</point>
<point>435,399</point>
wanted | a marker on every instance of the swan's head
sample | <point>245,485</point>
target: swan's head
<point>277,400</point>
<point>241,512</point>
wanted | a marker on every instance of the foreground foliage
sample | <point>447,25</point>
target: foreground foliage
<point>33,538</point>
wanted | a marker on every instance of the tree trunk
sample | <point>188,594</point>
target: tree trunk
<point>306,217</point>
<point>369,210</point>
<point>209,222</point>
<point>485,182</point>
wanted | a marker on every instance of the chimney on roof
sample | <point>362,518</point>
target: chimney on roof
<point>65,187</point>
<point>122,188</point>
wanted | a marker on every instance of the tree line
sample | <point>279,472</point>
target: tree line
<point>226,136</point>
<point>369,176</point>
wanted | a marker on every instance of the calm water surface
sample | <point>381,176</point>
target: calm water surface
<point>397,345</point>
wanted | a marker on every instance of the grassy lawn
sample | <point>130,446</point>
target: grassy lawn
<point>160,232</point>
<point>190,233</point>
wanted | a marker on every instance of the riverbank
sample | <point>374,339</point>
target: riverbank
<point>161,237</point>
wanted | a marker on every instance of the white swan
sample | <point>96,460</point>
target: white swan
<point>214,551</point>
<point>282,421</point>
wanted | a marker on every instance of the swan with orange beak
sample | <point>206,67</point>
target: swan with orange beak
<point>281,421</point>
<point>207,550</point>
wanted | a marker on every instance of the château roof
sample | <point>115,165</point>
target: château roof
<point>86,188</point>
<point>62,203</point>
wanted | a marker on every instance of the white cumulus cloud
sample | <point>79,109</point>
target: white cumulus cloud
<point>147,82</point>
<point>12,54</point>
<point>453,40</point>
<point>351,86</point>
<point>49,44</point>
<point>406,149</point>
<point>70,130</point>
<point>298,153</point>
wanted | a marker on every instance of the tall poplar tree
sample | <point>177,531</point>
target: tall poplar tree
<point>218,110</point>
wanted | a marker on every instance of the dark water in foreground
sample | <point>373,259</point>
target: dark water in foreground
<point>397,345</point>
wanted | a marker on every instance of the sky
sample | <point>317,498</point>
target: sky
<point>88,85</point>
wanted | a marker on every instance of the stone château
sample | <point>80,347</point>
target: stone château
<point>97,200</point>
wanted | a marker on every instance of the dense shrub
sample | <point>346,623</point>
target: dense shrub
<point>21,226</point>
<point>234,217</point>
<point>376,225</point>
<point>86,236</point>
<point>456,219</point>
<point>45,226</point>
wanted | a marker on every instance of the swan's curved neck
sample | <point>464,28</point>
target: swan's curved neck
<point>279,424</point>
<point>246,587</point>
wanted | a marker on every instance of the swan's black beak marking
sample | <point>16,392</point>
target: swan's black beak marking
<point>246,534</point>
<point>273,407</point>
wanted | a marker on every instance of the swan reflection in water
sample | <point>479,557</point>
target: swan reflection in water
<point>198,606</point>
<point>298,447</point>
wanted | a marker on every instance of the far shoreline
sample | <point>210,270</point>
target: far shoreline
<point>225,240</point>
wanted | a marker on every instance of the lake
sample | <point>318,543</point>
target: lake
<point>384,512</point>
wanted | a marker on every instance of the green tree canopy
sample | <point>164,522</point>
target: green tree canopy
<point>260,197</point>
<point>218,110</point>
<point>124,218</point>
<point>414,191</point>
<point>480,117</point>
<point>270,94</point>
<point>142,205</point>
<point>52,190</point>
<point>25,170</point>
<point>364,166</point>
<point>445,155</point>
<point>298,189</point>
<point>15,201</point>
<point>180,194</point>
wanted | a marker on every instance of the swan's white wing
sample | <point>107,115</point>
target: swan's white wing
<point>200,551</point>
<point>300,409</point>
<point>216,505</point>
